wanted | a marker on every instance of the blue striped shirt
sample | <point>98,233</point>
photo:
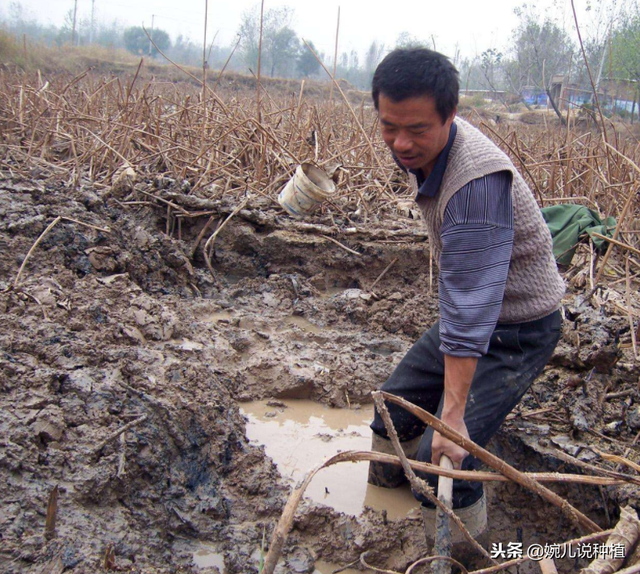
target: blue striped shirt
<point>477,239</point>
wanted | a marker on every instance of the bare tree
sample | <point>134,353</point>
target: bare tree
<point>541,49</point>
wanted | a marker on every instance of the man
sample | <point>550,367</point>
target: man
<point>499,288</point>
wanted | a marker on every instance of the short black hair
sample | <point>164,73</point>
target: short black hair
<point>414,72</point>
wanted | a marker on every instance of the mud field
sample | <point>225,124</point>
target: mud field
<point>122,328</point>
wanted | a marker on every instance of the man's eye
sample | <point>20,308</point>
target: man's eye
<point>418,132</point>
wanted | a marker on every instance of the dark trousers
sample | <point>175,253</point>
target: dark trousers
<point>516,356</point>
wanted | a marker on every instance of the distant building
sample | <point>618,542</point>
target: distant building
<point>614,95</point>
<point>620,94</point>
<point>533,96</point>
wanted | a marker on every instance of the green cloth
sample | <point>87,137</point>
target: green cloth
<point>569,223</point>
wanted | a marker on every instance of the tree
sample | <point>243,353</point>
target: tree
<point>280,44</point>
<point>471,74</point>
<point>137,42</point>
<point>406,40</point>
<point>625,48</point>
<point>541,49</point>
<point>283,51</point>
<point>625,54</point>
<point>372,59</point>
<point>490,65</point>
<point>307,63</point>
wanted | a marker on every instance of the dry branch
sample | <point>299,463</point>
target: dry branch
<point>52,514</point>
<point>418,484</point>
<point>33,248</point>
<point>494,462</point>
<point>116,434</point>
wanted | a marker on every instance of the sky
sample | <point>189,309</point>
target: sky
<point>471,26</point>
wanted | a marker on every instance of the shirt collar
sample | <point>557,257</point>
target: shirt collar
<point>429,187</point>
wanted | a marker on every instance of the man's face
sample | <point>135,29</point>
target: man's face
<point>414,131</point>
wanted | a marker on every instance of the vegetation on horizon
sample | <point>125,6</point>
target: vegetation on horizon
<point>540,48</point>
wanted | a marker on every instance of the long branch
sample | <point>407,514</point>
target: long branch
<point>493,461</point>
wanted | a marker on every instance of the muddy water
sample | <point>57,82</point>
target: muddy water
<point>302,323</point>
<point>208,557</point>
<point>248,323</point>
<point>301,434</point>
<point>328,568</point>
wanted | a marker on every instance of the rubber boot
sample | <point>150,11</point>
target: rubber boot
<point>474,518</point>
<point>390,475</point>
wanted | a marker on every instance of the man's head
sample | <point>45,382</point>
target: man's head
<point>414,72</point>
<point>416,94</point>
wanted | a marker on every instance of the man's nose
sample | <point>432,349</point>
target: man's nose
<point>402,143</point>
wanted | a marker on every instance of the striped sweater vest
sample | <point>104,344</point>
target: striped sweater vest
<point>534,287</point>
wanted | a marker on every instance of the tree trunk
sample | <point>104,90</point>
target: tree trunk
<point>563,121</point>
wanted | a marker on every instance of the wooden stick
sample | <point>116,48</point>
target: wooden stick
<point>603,471</point>
<point>215,86</point>
<point>482,476</point>
<point>443,531</point>
<point>258,106</point>
<point>384,272</point>
<point>343,246</point>
<point>280,532</point>
<point>335,56</point>
<point>33,248</point>
<point>202,234</point>
<point>116,434</point>
<point>283,527</point>
<point>634,342</point>
<point>616,233</point>
<point>418,484</point>
<point>52,513</point>
<point>122,460</point>
<point>614,242</point>
<point>209,244</point>
<point>494,462</point>
<point>368,566</point>
<point>103,229</point>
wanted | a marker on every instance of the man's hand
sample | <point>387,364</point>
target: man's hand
<point>458,375</point>
<point>442,445</point>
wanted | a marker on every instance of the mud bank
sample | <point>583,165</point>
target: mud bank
<point>125,329</point>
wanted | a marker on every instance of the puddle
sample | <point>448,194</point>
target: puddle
<point>303,324</point>
<point>252,324</point>
<point>328,568</point>
<point>302,435</point>
<point>208,557</point>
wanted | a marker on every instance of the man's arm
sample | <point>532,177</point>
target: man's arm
<point>477,239</point>
<point>458,374</point>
